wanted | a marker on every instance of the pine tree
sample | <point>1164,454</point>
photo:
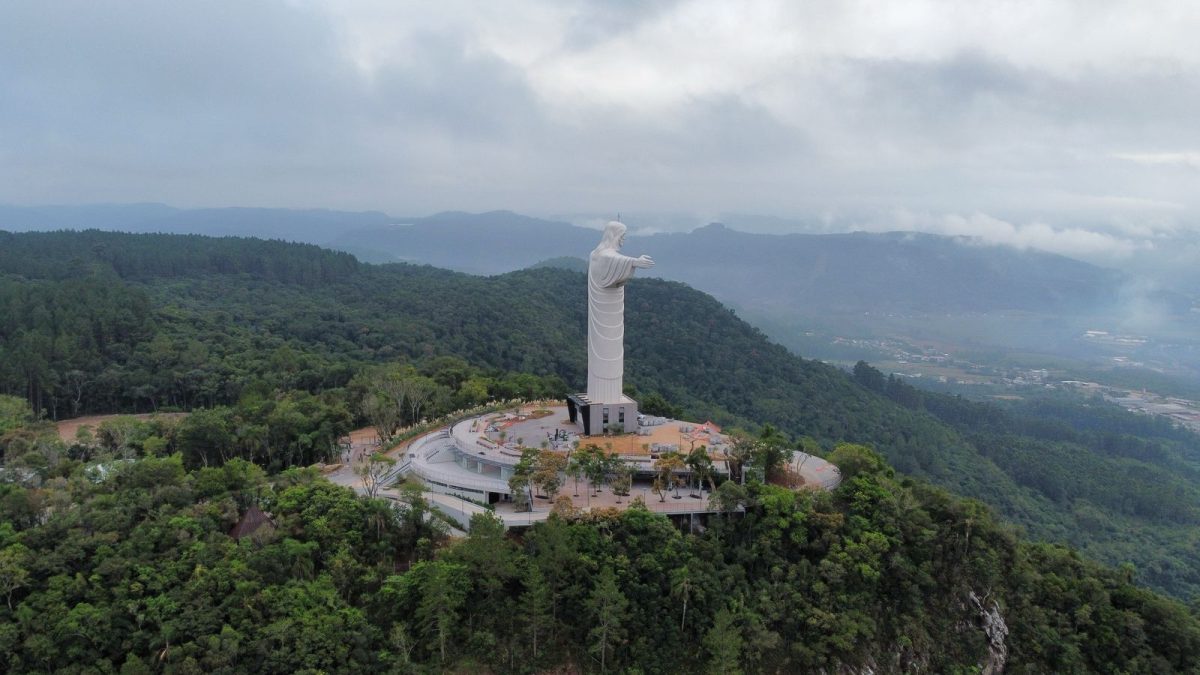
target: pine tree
<point>444,592</point>
<point>607,606</point>
<point>536,605</point>
<point>723,642</point>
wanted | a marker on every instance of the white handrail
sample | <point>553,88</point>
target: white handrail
<point>460,479</point>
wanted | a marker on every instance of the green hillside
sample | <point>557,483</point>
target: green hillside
<point>104,322</point>
<point>135,571</point>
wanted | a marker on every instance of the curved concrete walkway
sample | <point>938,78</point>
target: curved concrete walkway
<point>435,458</point>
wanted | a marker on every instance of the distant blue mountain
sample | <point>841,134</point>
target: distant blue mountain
<point>899,271</point>
<point>790,275</point>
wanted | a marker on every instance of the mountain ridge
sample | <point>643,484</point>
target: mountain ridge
<point>468,242</point>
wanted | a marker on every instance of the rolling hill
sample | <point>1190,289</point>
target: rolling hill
<point>136,312</point>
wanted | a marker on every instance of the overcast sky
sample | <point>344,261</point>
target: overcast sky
<point>1068,126</point>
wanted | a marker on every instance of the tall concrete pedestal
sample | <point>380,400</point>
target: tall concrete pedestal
<point>596,418</point>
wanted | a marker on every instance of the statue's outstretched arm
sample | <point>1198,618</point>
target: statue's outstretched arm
<point>644,262</point>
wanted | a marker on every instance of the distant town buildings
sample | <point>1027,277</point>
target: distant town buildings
<point>909,361</point>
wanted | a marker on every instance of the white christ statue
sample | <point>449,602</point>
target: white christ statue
<point>608,270</point>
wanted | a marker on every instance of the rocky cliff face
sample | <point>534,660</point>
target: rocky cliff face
<point>993,626</point>
<point>978,614</point>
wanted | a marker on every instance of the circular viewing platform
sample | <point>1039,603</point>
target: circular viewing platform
<point>474,459</point>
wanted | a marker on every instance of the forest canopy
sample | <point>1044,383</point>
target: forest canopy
<point>146,567</point>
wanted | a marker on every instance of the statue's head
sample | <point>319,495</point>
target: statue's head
<point>614,235</point>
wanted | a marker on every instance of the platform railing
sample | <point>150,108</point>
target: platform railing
<point>462,479</point>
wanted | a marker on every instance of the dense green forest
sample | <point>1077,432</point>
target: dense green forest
<point>98,322</point>
<point>1128,485</point>
<point>128,565</point>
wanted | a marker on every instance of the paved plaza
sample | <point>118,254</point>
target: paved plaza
<point>468,463</point>
<point>556,429</point>
<point>531,425</point>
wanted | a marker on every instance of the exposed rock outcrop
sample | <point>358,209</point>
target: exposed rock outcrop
<point>995,629</point>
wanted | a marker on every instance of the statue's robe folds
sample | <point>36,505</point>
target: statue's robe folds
<point>608,270</point>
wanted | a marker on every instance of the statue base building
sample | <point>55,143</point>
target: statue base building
<point>600,418</point>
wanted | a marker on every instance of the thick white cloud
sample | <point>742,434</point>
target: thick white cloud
<point>1070,241</point>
